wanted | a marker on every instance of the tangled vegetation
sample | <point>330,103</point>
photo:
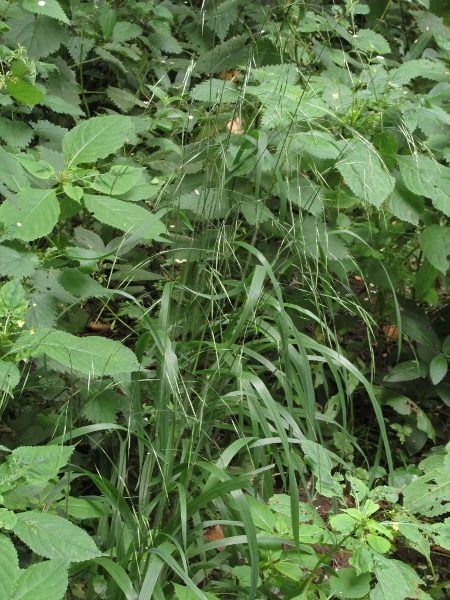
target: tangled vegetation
<point>224,299</point>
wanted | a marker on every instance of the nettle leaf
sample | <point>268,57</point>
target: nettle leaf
<point>215,90</point>
<point>224,57</point>
<point>47,580</point>
<point>429,494</point>
<point>367,40</point>
<point>11,172</point>
<point>79,47</point>
<point>404,204</point>
<point>417,68</point>
<point>49,8</point>
<point>41,36</point>
<point>96,138</point>
<point>37,464</point>
<point>15,133</point>
<point>61,106</point>
<point>424,176</point>
<point>9,567</point>
<point>318,459</point>
<point>219,17</point>
<point>16,263</point>
<point>23,91</point>
<point>12,299</point>
<point>123,99</point>
<point>365,174</point>
<point>124,31</point>
<point>319,144</point>
<point>163,41</point>
<point>40,169</point>
<point>119,180</point>
<point>34,216</point>
<point>348,584</point>
<point>126,217</point>
<point>435,243</point>
<point>9,377</point>
<point>54,537</point>
<point>93,355</point>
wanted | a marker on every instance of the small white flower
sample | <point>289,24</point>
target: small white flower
<point>380,57</point>
<point>41,3</point>
<point>19,224</point>
<point>197,192</point>
<point>190,117</point>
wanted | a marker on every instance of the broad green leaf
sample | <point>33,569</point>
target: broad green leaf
<point>11,173</point>
<point>417,68</point>
<point>435,243</point>
<point>36,464</point>
<point>60,106</point>
<point>369,41</point>
<point>289,569</point>
<point>40,35</point>
<point>12,299</point>
<point>396,581</point>
<point>33,216</point>
<point>215,90</point>
<point>119,180</point>
<point>224,57</point>
<point>49,8</point>
<point>419,330</point>
<point>89,507</point>
<point>40,169</point>
<point>183,592</point>
<point>15,133</point>
<point>96,138</point>
<point>378,543</point>
<point>318,144</point>
<point>123,99</point>
<point>104,407</point>
<point>405,205</point>
<point>54,537</point>
<point>438,369</point>
<point>23,91</point>
<point>319,461</point>
<point>126,217</point>
<point>425,177</point>
<point>407,371</point>
<point>81,285</point>
<point>93,355</point>
<point>124,31</point>
<point>9,568</point>
<point>346,583</point>
<point>9,376</point>
<point>365,174</point>
<point>46,580</point>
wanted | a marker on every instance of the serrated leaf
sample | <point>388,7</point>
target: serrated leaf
<point>318,144</point>
<point>365,174</point>
<point>96,138</point>
<point>9,568</point>
<point>224,57</point>
<point>41,36</point>
<point>36,464</point>
<point>93,355</point>
<point>163,41</point>
<point>17,263</point>
<point>438,369</point>
<point>9,376</point>
<point>406,371</point>
<point>220,16</point>
<point>123,99</point>
<point>23,91</point>
<point>404,204</point>
<point>49,8</point>
<point>60,106</point>
<point>417,68</point>
<point>215,90</point>
<point>125,216</point>
<point>79,48</point>
<point>104,407</point>
<point>54,537</point>
<point>424,176</point>
<point>12,174</point>
<point>367,40</point>
<point>34,216</point>
<point>47,580</point>
<point>124,31</point>
<point>12,299</point>
<point>15,133</point>
<point>435,243</point>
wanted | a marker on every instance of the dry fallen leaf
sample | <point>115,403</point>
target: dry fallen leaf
<point>213,534</point>
<point>100,327</point>
<point>235,126</point>
<point>391,332</point>
<point>229,75</point>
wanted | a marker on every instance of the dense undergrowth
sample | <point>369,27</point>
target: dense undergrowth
<point>223,257</point>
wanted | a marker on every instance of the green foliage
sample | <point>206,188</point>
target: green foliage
<point>224,247</point>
